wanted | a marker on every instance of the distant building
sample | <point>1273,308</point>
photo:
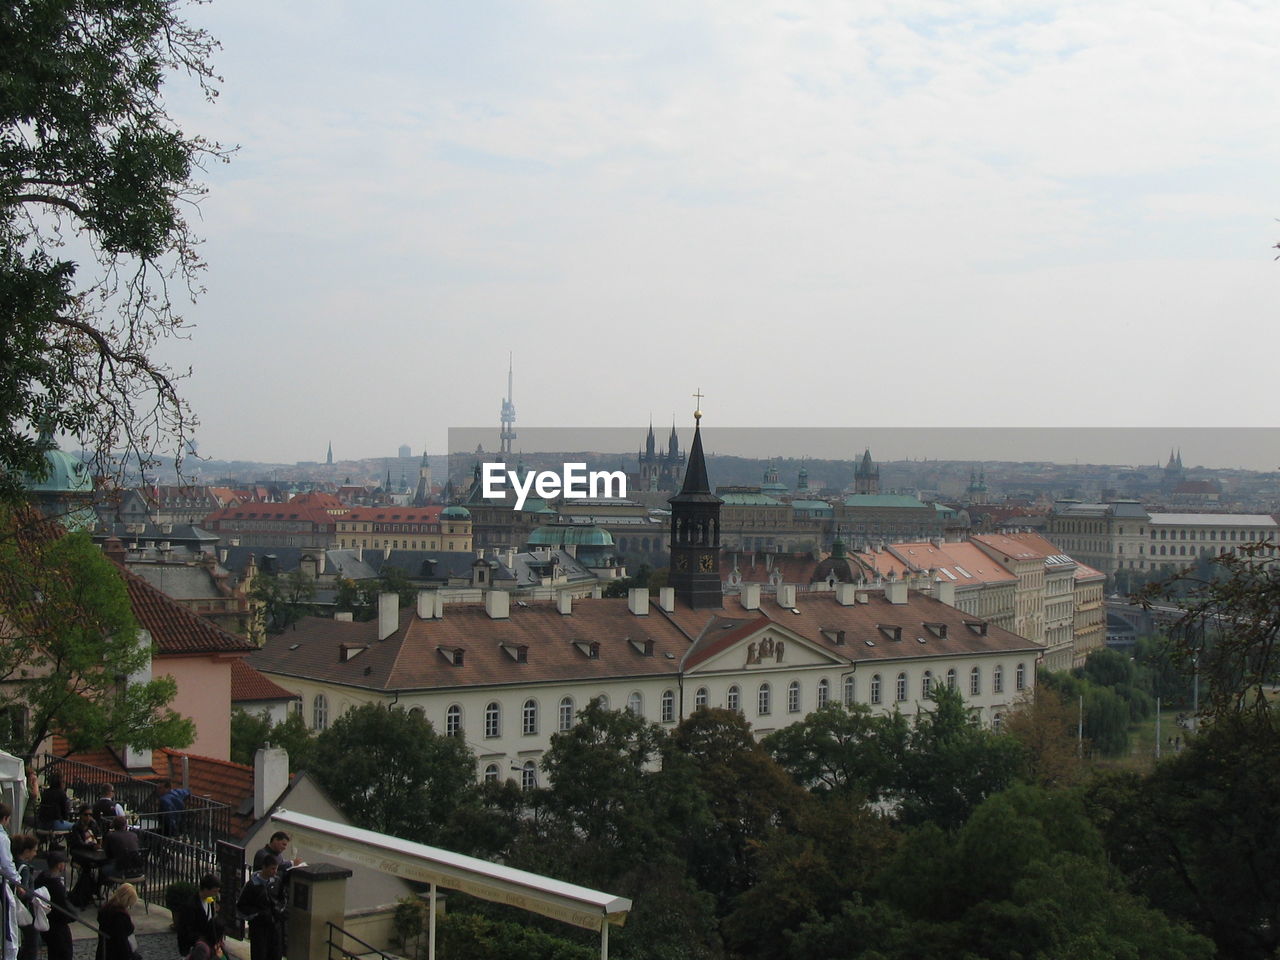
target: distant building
<point>661,469</point>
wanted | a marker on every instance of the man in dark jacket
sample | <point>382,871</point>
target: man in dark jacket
<point>57,939</point>
<point>257,903</point>
<point>194,917</point>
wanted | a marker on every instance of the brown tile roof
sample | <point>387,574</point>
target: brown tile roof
<point>248,684</point>
<point>220,780</point>
<point>759,566</point>
<point>1005,544</point>
<point>393,514</point>
<point>965,561</point>
<point>175,629</point>
<point>1086,572</point>
<point>303,513</point>
<point>1039,544</point>
<point>412,658</point>
<point>820,617</point>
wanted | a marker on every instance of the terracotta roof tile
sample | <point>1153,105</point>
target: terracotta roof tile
<point>175,629</point>
<point>248,684</point>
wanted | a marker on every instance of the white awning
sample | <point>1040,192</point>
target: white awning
<point>568,902</point>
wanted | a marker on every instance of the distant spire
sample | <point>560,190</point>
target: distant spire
<point>329,460</point>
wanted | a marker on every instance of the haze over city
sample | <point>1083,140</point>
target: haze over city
<point>978,214</point>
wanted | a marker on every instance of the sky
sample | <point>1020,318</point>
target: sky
<point>868,214</point>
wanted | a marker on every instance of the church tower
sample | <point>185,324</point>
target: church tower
<point>866,475</point>
<point>695,532</point>
<point>507,434</point>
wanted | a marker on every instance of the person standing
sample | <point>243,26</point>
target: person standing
<point>194,919</point>
<point>115,926</point>
<point>57,939</point>
<point>24,851</point>
<point>85,846</point>
<point>257,903</point>
<point>13,887</point>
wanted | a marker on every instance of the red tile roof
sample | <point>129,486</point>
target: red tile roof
<point>175,630</point>
<point>394,514</point>
<point>248,684</point>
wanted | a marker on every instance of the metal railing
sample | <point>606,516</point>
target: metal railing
<point>342,951</point>
<point>170,860</point>
<point>203,821</point>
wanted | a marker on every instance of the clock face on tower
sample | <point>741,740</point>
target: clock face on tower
<point>706,562</point>
<point>682,562</point>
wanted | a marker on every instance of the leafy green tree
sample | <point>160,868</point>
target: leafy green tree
<point>88,151</point>
<point>1046,727</point>
<point>283,600</point>
<point>251,731</point>
<point>1228,631</point>
<point>390,771</point>
<point>952,763</point>
<point>748,793</point>
<point>843,749</point>
<point>72,661</point>
<point>1198,836</point>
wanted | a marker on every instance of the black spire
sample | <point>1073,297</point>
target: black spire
<point>695,533</point>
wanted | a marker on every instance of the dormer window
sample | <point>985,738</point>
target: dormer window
<point>979,627</point>
<point>642,645</point>
<point>890,631</point>
<point>939,630</point>
<point>517,652</point>
<point>452,654</point>
<point>590,650</point>
<point>349,651</point>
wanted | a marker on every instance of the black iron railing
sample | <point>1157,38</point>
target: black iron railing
<point>203,822</point>
<point>336,938</point>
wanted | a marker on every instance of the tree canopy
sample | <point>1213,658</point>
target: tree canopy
<point>73,648</point>
<point>97,185</point>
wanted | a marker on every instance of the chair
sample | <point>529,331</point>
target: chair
<point>134,872</point>
<point>49,839</point>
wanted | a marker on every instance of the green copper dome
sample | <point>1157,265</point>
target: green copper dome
<point>63,474</point>
<point>456,513</point>
<point>553,535</point>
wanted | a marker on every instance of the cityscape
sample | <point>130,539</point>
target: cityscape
<point>549,481</point>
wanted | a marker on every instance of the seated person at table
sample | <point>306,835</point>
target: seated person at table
<point>106,809</point>
<point>124,856</point>
<point>54,812</point>
<point>85,846</point>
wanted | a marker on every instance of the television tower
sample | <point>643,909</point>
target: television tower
<point>508,433</point>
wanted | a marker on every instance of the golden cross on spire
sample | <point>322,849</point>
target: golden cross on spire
<point>697,413</point>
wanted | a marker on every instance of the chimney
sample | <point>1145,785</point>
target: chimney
<point>497,604</point>
<point>946,592</point>
<point>343,616</point>
<point>270,777</point>
<point>787,596</point>
<point>846,594</point>
<point>427,604</point>
<point>388,614</point>
<point>895,591</point>
<point>359,553</point>
<point>751,596</point>
<point>322,558</point>
<point>479,553</point>
<point>564,602</point>
<point>597,591</point>
<point>667,598</point>
<point>222,555</point>
<point>386,552</point>
<point>638,601</point>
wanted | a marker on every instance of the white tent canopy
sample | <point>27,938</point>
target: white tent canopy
<point>13,787</point>
<point>568,902</point>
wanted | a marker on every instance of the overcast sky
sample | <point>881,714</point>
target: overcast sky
<point>851,214</point>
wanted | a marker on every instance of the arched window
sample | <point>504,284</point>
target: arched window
<point>700,698</point>
<point>635,704</point>
<point>1020,677</point>
<point>566,713</point>
<point>528,775</point>
<point>491,773</point>
<point>603,699</point>
<point>529,718</point>
<point>996,720</point>
<point>320,712</point>
<point>975,681</point>
<point>763,700</point>
<point>902,687</point>
<point>997,680</point>
<point>875,688</point>
<point>493,720</point>
<point>848,690</point>
<point>926,684</point>
<point>734,700</point>
<point>793,696</point>
<point>453,721</point>
<point>824,692</point>
<point>951,679</point>
<point>668,706</point>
